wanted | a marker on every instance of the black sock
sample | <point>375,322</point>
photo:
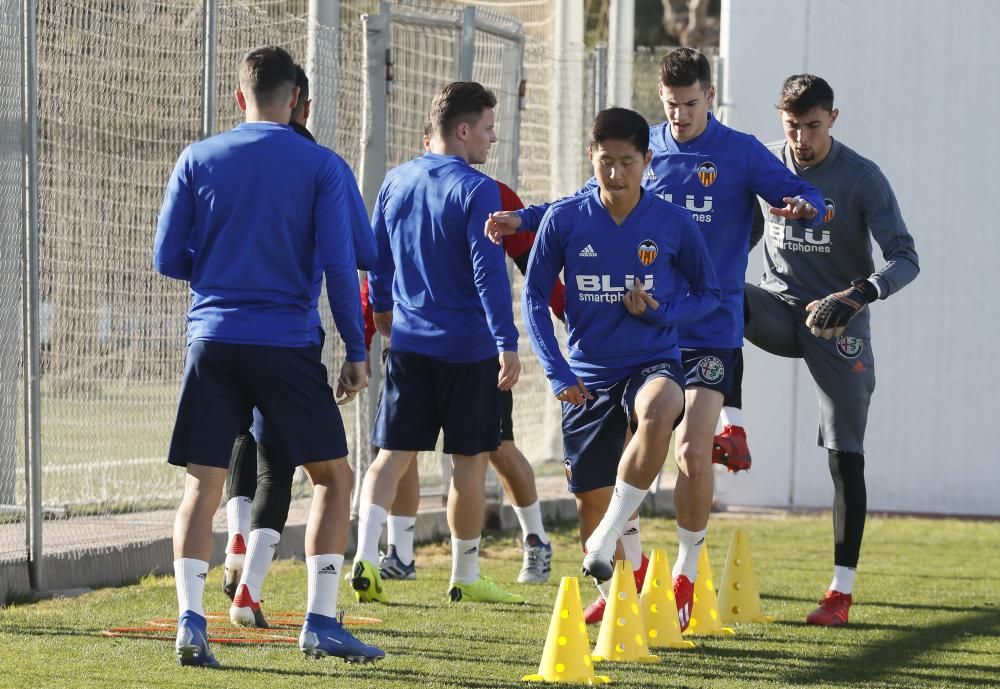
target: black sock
<point>850,504</point>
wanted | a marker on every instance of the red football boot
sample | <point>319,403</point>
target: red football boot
<point>594,613</point>
<point>731,450</point>
<point>684,598</point>
<point>832,610</point>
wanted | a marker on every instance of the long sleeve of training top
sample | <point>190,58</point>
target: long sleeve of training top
<point>365,248</point>
<point>885,222</point>
<point>657,245</point>
<point>172,254</point>
<point>445,283</point>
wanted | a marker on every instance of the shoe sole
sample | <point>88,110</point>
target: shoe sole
<point>190,656</point>
<point>318,654</point>
<point>598,569</point>
<point>534,581</point>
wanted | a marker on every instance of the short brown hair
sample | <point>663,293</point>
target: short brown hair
<point>802,92</point>
<point>459,101</point>
<point>685,67</point>
<point>265,72</point>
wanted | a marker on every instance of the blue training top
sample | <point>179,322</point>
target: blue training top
<point>716,176</point>
<point>658,244</point>
<point>246,216</point>
<point>445,282</point>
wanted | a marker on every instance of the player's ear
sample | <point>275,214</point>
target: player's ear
<point>305,109</point>
<point>462,131</point>
<point>710,93</point>
<point>833,116</point>
<point>294,98</point>
<point>648,158</point>
<point>241,100</point>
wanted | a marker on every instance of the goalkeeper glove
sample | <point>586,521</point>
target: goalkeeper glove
<point>828,317</point>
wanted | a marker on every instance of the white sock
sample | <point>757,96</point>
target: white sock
<point>624,502</point>
<point>238,517</point>
<point>401,535</point>
<point>323,574</point>
<point>632,543</point>
<point>531,521</point>
<point>732,416</point>
<point>371,519</point>
<point>603,588</point>
<point>688,552</point>
<point>189,577</point>
<point>465,559</point>
<point>843,579</point>
<point>261,547</point>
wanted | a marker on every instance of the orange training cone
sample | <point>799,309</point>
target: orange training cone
<point>566,657</point>
<point>622,636</point>
<point>739,599</point>
<point>705,618</point>
<point>659,609</point>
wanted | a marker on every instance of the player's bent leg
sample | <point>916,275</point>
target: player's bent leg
<point>398,561</point>
<point>466,506</point>
<point>731,449</point>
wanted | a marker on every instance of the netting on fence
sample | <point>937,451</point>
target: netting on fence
<point>12,489</point>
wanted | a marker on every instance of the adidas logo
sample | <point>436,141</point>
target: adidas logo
<point>700,541</point>
<point>649,174</point>
<point>631,531</point>
<point>410,529</point>
<point>274,546</point>
<point>203,576</point>
<point>245,500</point>
<point>588,252</point>
<point>329,569</point>
<point>472,551</point>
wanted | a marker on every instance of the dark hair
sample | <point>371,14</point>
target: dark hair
<point>684,67</point>
<point>621,124</point>
<point>802,92</point>
<point>265,72</point>
<point>302,81</point>
<point>459,101</point>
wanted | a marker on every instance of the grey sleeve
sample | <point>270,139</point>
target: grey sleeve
<point>881,214</point>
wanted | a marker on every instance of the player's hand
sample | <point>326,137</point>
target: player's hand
<point>510,370</point>
<point>796,208</point>
<point>576,395</point>
<point>637,299</point>
<point>353,379</point>
<point>383,322</point>
<point>829,316</point>
<point>500,224</point>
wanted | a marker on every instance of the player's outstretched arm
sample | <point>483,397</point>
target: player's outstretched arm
<point>528,219</point>
<point>789,195</point>
<point>172,254</point>
<point>336,255</point>
<point>543,268</point>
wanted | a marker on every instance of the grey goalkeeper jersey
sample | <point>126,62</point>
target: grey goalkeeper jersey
<point>802,264</point>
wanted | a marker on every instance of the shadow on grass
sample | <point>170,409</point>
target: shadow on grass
<point>893,656</point>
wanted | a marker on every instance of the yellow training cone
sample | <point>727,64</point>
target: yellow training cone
<point>623,636</point>
<point>739,599</point>
<point>705,618</point>
<point>566,657</point>
<point>659,609</point>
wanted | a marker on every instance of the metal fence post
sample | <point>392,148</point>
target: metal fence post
<point>467,44</point>
<point>374,157</point>
<point>600,67</point>
<point>522,86</point>
<point>323,38</point>
<point>32,346</point>
<point>211,57</point>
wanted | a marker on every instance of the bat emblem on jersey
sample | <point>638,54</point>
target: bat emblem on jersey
<point>831,210</point>
<point>707,172</point>
<point>648,251</point>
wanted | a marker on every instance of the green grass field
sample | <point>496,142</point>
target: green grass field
<point>927,616</point>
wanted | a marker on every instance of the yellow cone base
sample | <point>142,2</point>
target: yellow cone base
<point>739,599</point>
<point>566,657</point>
<point>659,610</point>
<point>705,618</point>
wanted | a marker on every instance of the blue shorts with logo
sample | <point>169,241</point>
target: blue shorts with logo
<point>594,433</point>
<point>224,382</point>
<point>422,396</point>
<point>712,368</point>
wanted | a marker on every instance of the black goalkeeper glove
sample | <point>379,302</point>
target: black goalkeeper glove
<point>828,317</point>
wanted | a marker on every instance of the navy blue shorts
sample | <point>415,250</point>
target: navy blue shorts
<point>711,368</point>
<point>594,434</point>
<point>224,382</point>
<point>422,395</point>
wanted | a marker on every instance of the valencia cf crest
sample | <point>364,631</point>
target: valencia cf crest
<point>831,210</point>
<point>707,172</point>
<point>648,251</point>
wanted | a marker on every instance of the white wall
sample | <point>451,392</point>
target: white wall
<point>918,90</point>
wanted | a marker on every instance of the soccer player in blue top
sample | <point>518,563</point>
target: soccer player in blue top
<point>635,268</point>
<point>440,293</point>
<point>716,173</point>
<point>245,218</point>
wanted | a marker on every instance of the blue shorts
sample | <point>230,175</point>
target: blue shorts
<point>224,382</point>
<point>711,368</point>
<point>422,395</point>
<point>594,433</point>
